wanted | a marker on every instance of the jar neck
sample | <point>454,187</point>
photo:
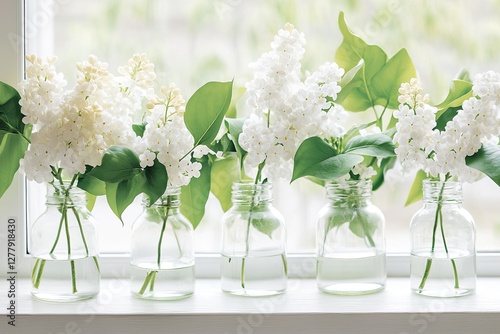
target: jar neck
<point>246,194</point>
<point>171,199</point>
<point>64,194</point>
<point>351,193</point>
<point>449,192</point>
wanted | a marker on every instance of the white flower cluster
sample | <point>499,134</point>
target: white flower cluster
<point>167,138</point>
<point>285,110</point>
<point>442,152</point>
<point>73,128</point>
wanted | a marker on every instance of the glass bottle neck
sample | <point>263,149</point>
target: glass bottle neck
<point>351,193</point>
<point>64,194</point>
<point>248,194</point>
<point>449,192</point>
<point>170,199</point>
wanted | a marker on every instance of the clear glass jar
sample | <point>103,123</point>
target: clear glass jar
<point>443,235</point>
<point>162,250</point>
<point>253,261</point>
<point>350,241</point>
<point>64,247</point>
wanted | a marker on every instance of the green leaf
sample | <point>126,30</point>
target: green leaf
<point>486,160</point>
<point>373,145</point>
<point>386,82</point>
<point>416,193</point>
<point>353,49</point>
<point>139,129</point>
<point>265,225</point>
<point>205,111</point>
<point>226,145</point>
<point>91,199</point>
<point>235,127</point>
<point>111,189</point>
<point>371,79</point>
<point>385,165</point>
<point>316,158</point>
<point>14,135</point>
<point>92,185</point>
<point>342,216</point>
<point>464,75</point>
<point>118,164</point>
<point>354,130</point>
<point>224,173</point>
<point>121,194</point>
<point>11,117</point>
<point>363,223</point>
<point>194,196</point>
<point>155,180</point>
<point>459,92</point>
<point>12,149</point>
<point>445,117</point>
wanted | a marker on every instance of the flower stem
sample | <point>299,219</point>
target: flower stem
<point>250,212</point>
<point>455,274</point>
<point>160,240</point>
<point>434,229</point>
<point>39,273</point>
<point>438,219</point>
<point>147,280</point>
<point>151,276</point>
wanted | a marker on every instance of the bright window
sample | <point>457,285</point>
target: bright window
<point>195,41</point>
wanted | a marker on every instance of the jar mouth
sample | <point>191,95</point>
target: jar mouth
<point>349,189</point>
<point>249,192</point>
<point>58,193</point>
<point>435,191</point>
<point>171,197</point>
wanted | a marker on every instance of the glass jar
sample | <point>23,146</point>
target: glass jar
<point>64,247</point>
<point>162,250</point>
<point>253,261</point>
<point>350,241</point>
<point>443,255</point>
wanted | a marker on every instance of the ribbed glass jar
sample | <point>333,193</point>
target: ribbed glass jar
<point>350,241</point>
<point>64,247</point>
<point>162,250</point>
<point>443,235</point>
<point>253,261</point>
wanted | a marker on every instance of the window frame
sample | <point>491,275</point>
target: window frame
<point>14,202</point>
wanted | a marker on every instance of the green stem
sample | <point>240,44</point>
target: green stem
<point>81,230</point>
<point>153,280</point>
<point>437,217</point>
<point>35,271</point>
<point>250,212</point>
<point>57,235</point>
<point>73,277</point>
<point>285,265</point>
<point>39,274</point>
<point>160,241</point>
<point>96,261</point>
<point>147,280</point>
<point>455,273</point>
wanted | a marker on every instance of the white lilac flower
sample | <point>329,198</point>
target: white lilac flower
<point>420,145</point>
<point>167,138</point>
<point>286,110</point>
<point>73,128</point>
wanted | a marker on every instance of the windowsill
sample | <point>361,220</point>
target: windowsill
<point>301,309</point>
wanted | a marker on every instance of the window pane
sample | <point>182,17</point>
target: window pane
<point>195,41</point>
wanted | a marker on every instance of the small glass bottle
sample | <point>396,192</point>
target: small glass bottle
<point>443,255</point>
<point>253,261</point>
<point>64,247</point>
<point>162,250</point>
<point>350,241</point>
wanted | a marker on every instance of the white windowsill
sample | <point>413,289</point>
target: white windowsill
<point>302,309</point>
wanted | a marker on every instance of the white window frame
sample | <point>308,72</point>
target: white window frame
<point>13,203</point>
